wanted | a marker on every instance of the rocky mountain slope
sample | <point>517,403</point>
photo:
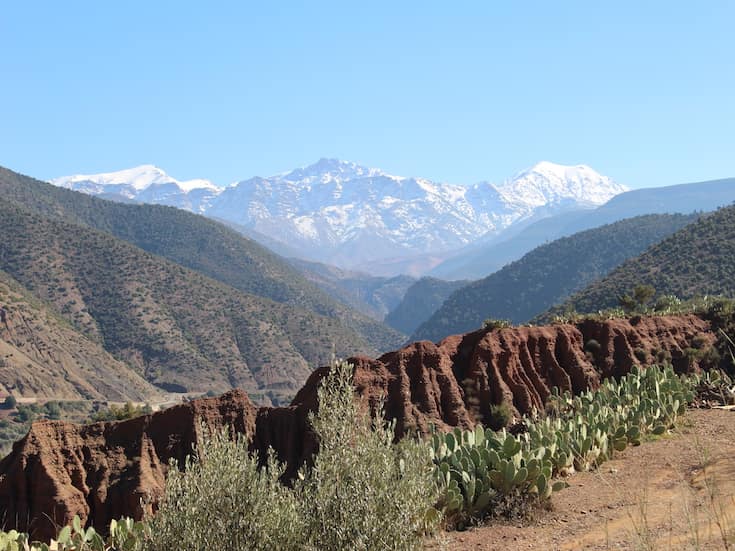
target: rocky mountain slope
<point>352,216</point>
<point>43,356</point>
<point>101,471</point>
<point>480,259</point>
<point>548,274</point>
<point>697,260</point>
<point>200,244</point>
<point>179,329</point>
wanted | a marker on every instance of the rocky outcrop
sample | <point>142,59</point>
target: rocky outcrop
<point>102,471</point>
<point>105,470</point>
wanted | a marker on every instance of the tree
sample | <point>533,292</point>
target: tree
<point>10,402</point>
<point>643,294</point>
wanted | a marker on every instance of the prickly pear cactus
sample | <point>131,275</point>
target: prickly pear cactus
<point>477,467</point>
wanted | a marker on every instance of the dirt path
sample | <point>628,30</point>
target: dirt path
<point>675,493</point>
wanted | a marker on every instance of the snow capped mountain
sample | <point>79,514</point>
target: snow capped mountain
<point>352,216</point>
<point>548,183</point>
<point>145,184</point>
<point>330,170</point>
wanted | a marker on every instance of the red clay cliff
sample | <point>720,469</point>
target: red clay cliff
<point>104,470</point>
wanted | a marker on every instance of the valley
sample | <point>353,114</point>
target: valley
<point>124,324</point>
<point>371,276</point>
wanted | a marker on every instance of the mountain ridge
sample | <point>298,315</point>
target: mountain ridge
<point>698,260</point>
<point>547,274</point>
<point>345,214</point>
<point>198,243</point>
<point>480,259</point>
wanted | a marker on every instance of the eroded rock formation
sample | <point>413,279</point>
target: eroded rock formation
<point>101,471</point>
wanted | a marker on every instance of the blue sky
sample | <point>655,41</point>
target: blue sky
<point>453,91</point>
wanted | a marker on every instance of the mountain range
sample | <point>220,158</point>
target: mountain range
<point>182,301</point>
<point>480,259</point>
<point>364,218</point>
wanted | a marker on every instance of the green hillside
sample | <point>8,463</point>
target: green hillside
<point>547,275</point>
<point>177,328</point>
<point>422,299</point>
<point>697,260</point>
<point>197,243</point>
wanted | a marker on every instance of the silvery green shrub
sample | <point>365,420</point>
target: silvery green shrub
<point>223,500</point>
<point>363,491</point>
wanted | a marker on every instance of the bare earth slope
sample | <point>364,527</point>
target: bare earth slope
<point>60,469</point>
<point>43,356</point>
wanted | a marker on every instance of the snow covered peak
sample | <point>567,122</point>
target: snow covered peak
<point>549,183</point>
<point>330,170</point>
<point>139,178</point>
<point>134,179</point>
<point>354,216</point>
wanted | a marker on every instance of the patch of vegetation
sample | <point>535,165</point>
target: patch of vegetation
<point>223,495</point>
<point>123,534</point>
<point>500,416</point>
<point>493,324</point>
<point>120,413</point>
<point>16,425</point>
<point>714,388</point>
<point>482,472</point>
<point>362,491</point>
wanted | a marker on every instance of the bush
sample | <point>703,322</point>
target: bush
<point>500,416</point>
<point>10,402</point>
<point>492,324</point>
<point>362,492</point>
<point>224,501</point>
<point>115,413</point>
<point>667,304</point>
